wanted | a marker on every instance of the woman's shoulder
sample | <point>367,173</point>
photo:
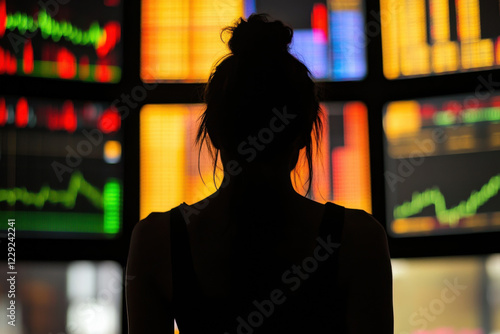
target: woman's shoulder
<point>363,234</point>
<point>362,224</point>
<point>366,274</point>
<point>359,225</point>
<point>151,226</point>
<point>149,253</point>
<point>364,241</point>
<point>149,237</point>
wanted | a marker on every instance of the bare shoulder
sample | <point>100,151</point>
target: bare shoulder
<point>362,230</point>
<point>364,244</point>
<point>148,266</point>
<point>150,231</point>
<point>366,274</point>
<point>149,253</point>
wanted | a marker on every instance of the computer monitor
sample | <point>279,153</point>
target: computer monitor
<point>61,166</point>
<point>181,40</point>
<point>71,40</point>
<point>424,38</point>
<point>441,165</point>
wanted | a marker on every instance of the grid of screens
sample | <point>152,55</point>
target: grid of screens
<point>427,37</point>
<point>442,157</point>
<point>169,158</point>
<point>79,297</point>
<point>451,295</point>
<point>61,167</point>
<point>181,39</point>
<point>74,40</point>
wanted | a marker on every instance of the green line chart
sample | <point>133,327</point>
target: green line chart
<point>108,201</point>
<point>54,29</point>
<point>451,216</point>
<point>67,198</point>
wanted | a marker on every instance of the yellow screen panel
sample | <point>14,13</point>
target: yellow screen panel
<point>421,38</point>
<point>169,159</point>
<point>181,39</point>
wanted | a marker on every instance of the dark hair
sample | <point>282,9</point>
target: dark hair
<point>246,87</point>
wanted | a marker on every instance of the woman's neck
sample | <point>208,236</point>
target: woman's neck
<point>259,179</point>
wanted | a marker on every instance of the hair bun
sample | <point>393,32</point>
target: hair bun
<point>259,36</point>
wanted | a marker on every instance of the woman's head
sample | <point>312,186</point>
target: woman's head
<point>261,103</point>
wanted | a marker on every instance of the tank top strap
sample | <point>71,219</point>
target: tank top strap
<point>333,223</point>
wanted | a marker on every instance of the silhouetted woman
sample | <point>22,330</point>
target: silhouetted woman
<point>256,256</point>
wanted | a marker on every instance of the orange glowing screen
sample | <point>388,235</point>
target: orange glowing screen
<point>342,167</point>
<point>422,37</point>
<point>169,158</point>
<point>181,39</point>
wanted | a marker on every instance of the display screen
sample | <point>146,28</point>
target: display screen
<point>428,37</point>
<point>74,40</point>
<point>61,168</point>
<point>181,39</point>
<point>342,167</point>
<point>442,158</point>
<point>169,158</point>
<point>78,297</point>
<point>447,295</point>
